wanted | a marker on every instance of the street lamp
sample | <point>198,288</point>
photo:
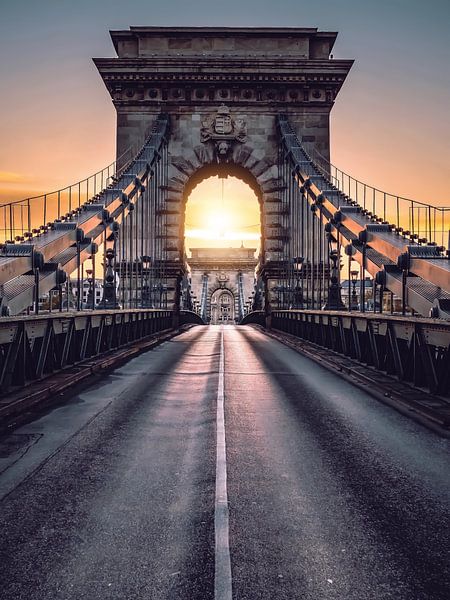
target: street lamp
<point>90,300</point>
<point>350,251</point>
<point>109,299</point>
<point>297,264</point>
<point>334,300</point>
<point>146,296</point>
<point>354,301</point>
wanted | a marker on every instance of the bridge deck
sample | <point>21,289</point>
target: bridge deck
<point>331,494</point>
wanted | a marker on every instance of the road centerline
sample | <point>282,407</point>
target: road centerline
<point>222,571</point>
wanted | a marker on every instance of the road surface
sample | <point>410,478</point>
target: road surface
<point>222,465</point>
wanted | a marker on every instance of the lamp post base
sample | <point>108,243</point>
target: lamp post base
<point>109,299</point>
<point>334,301</point>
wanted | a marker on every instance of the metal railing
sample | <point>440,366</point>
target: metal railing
<point>414,350</point>
<point>32,347</point>
<point>423,221</point>
<point>19,218</point>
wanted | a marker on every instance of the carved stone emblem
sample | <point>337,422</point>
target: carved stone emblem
<point>223,124</point>
<point>222,279</point>
<point>223,131</point>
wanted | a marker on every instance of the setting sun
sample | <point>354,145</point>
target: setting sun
<point>222,213</point>
<point>219,222</point>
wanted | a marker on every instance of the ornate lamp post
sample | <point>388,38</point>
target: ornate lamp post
<point>350,251</point>
<point>109,299</point>
<point>297,264</point>
<point>94,250</point>
<point>354,300</point>
<point>334,300</point>
<point>90,300</point>
<point>146,295</point>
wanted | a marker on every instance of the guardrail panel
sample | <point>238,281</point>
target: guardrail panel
<point>34,346</point>
<point>415,350</point>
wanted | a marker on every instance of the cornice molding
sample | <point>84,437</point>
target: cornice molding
<point>277,62</point>
<point>234,77</point>
<point>230,264</point>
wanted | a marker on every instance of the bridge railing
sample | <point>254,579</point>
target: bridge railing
<point>419,220</point>
<point>257,317</point>
<point>42,259</point>
<point>19,218</point>
<point>32,347</point>
<point>190,317</point>
<point>414,350</point>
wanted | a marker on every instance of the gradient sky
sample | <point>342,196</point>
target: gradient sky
<point>390,125</point>
<point>222,213</point>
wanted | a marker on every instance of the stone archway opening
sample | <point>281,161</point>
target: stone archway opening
<point>222,212</point>
<point>222,241</point>
<point>223,303</point>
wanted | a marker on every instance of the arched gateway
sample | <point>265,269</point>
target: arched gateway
<point>223,89</point>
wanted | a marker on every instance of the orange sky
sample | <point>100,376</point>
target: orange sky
<point>389,127</point>
<point>71,142</point>
<point>216,220</point>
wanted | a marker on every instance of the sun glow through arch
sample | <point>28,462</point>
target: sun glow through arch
<point>222,213</point>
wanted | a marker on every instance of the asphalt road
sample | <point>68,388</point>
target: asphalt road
<point>330,494</point>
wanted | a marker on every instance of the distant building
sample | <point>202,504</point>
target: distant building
<point>222,282</point>
<point>347,290</point>
<point>85,288</point>
<point>391,303</point>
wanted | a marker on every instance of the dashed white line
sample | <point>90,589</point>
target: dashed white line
<point>222,572</point>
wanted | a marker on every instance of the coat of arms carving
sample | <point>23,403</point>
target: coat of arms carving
<point>223,124</point>
<point>223,130</point>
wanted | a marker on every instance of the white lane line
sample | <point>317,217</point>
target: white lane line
<point>222,573</point>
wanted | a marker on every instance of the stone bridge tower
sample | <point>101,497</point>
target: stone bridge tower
<point>223,88</point>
